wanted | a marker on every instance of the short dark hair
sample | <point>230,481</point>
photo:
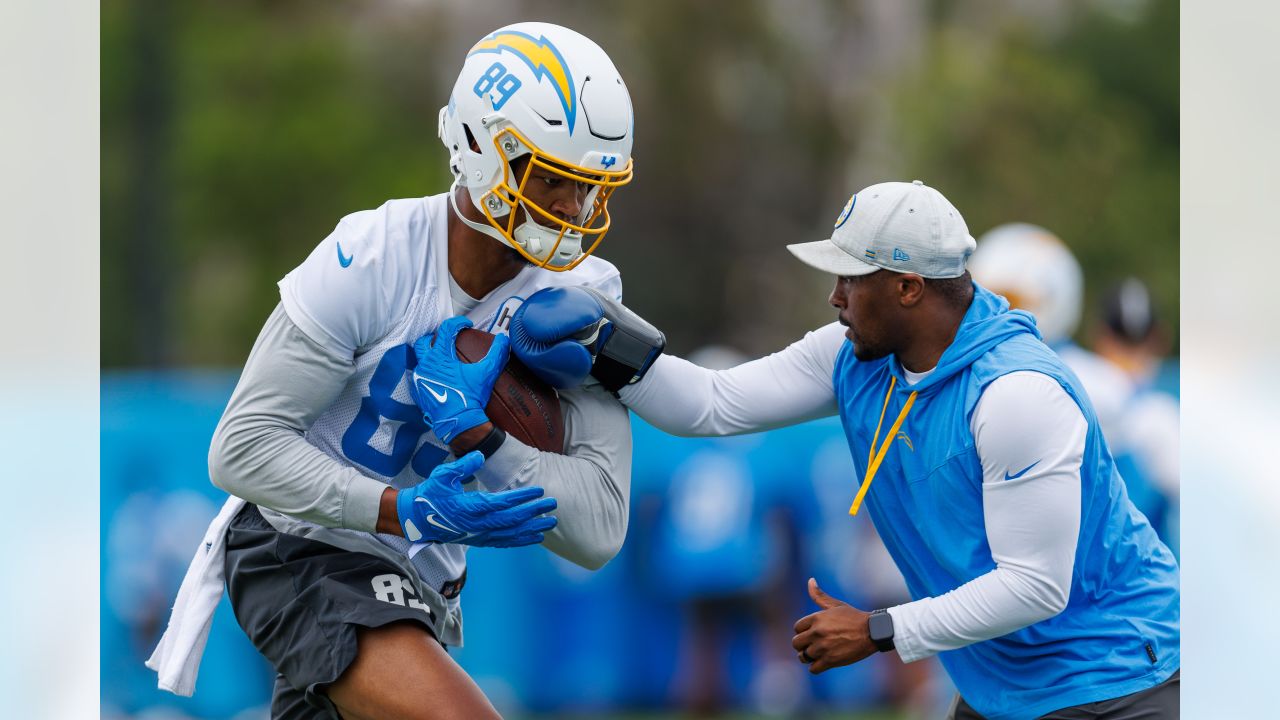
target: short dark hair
<point>956,292</point>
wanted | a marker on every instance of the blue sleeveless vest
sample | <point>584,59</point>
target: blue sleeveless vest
<point>1119,632</point>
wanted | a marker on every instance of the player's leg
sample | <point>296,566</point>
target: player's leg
<point>427,683</point>
<point>310,609</point>
<point>705,647</point>
<point>290,704</point>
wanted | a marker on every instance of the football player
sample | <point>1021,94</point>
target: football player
<point>346,556</point>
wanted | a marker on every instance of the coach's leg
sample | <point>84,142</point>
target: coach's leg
<point>402,673</point>
<point>1155,703</point>
<point>960,710</point>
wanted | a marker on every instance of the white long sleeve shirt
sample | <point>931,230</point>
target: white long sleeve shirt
<point>1029,435</point>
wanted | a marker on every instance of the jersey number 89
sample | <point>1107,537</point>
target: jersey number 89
<point>378,404</point>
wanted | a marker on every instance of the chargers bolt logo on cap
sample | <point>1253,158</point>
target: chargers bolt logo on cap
<point>847,211</point>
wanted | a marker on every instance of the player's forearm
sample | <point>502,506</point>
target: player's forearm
<point>787,387</point>
<point>591,482</point>
<point>280,470</point>
<point>258,450</point>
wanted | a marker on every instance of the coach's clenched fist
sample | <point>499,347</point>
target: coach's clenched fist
<point>835,635</point>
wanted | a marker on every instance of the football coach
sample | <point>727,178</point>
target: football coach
<point>1042,589</point>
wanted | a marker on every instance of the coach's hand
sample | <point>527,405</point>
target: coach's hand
<point>450,392</point>
<point>835,635</point>
<point>439,510</point>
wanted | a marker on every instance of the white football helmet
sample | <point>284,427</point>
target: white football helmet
<point>545,91</point>
<point>1035,272</point>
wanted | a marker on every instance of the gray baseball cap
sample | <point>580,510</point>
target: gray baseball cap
<point>899,226</point>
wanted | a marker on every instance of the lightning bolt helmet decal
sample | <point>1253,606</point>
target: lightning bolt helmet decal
<point>543,59</point>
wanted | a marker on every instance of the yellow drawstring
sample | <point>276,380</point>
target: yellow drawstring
<point>875,458</point>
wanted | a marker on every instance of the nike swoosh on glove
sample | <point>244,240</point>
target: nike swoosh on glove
<point>450,392</point>
<point>438,510</point>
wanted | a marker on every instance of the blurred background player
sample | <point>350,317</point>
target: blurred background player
<point>1127,332</point>
<point>1036,271</point>
<point>345,566</point>
<point>723,549</point>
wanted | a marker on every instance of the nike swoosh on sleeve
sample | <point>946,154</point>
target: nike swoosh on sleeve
<point>344,261</point>
<point>1021,472</point>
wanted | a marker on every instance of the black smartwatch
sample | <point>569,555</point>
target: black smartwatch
<point>880,627</point>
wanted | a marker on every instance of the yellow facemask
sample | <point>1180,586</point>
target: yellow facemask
<point>538,242</point>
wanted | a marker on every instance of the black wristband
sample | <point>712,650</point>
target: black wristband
<point>491,442</point>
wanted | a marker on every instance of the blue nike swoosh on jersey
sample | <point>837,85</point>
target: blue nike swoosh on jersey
<point>1021,472</point>
<point>344,261</point>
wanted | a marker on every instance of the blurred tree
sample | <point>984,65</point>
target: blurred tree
<point>1076,133</point>
<point>235,135</point>
<point>274,122</point>
<point>136,119</point>
<point>731,165</point>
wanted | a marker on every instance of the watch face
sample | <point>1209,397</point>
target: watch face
<point>880,627</point>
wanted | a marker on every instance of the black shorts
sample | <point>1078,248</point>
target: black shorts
<point>300,601</point>
<point>1155,703</point>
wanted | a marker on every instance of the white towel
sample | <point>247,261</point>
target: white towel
<point>177,658</point>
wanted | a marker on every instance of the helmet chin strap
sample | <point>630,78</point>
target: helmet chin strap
<point>485,228</point>
<point>490,230</point>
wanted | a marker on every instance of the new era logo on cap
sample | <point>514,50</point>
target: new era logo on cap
<point>899,226</point>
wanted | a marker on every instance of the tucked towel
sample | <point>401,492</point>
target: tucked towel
<point>177,657</point>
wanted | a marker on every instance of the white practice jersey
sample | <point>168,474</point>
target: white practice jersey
<point>373,287</point>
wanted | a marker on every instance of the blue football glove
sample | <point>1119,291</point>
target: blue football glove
<point>450,392</point>
<point>565,334</point>
<point>438,510</point>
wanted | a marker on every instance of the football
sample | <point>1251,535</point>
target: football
<point>521,404</point>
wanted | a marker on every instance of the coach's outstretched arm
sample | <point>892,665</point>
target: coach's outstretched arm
<point>565,334</point>
<point>790,386</point>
